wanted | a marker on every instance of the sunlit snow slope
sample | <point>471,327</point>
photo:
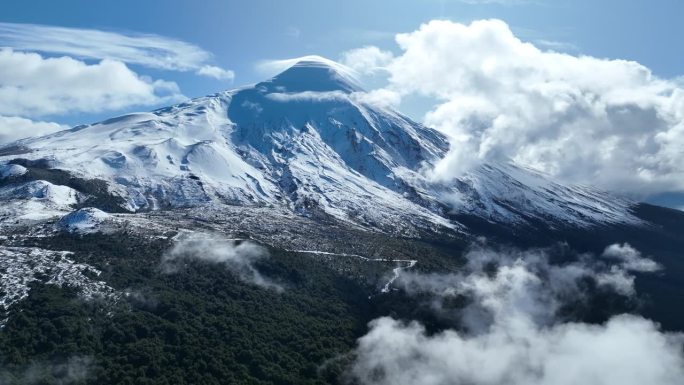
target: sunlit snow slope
<point>305,140</point>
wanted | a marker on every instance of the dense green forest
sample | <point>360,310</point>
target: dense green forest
<point>200,325</point>
<point>203,324</point>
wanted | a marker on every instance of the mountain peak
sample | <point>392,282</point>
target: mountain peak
<point>314,73</point>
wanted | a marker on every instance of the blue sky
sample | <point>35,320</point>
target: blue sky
<point>589,91</point>
<point>241,33</point>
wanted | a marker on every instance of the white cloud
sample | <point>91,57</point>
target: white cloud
<point>556,45</point>
<point>524,282</point>
<point>617,278</point>
<point>307,96</point>
<point>631,258</point>
<point>31,85</point>
<point>379,97</point>
<point>144,49</point>
<point>609,123</point>
<point>627,350</point>
<point>276,66</point>
<point>238,257</point>
<point>13,128</point>
<point>513,335</point>
<point>368,59</point>
<point>60,371</point>
<point>216,72</point>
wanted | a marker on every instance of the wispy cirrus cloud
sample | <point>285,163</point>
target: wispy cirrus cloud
<point>148,50</point>
<point>554,45</point>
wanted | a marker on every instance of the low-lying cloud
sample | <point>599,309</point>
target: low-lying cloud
<point>627,350</point>
<point>631,258</point>
<point>73,370</point>
<point>512,332</point>
<point>527,282</point>
<point>239,257</point>
<point>378,98</point>
<point>308,96</point>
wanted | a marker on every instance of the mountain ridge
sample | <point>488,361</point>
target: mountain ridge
<point>305,140</point>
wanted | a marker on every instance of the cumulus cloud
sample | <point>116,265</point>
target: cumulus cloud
<point>238,257</point>
<point>524,281</point>
<point>148,50</point>
<point>630,258</point>
<point>379,97</point>
<point>35,81</point>
<point>609,123</point>
<point>512,333</point>
<point>13,128</point>
<point>627,350</point>
<point>31,85</point>
<point>368,59</point>
<point>216,72</point>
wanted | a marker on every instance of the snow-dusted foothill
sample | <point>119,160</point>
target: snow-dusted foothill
<point>41,190</point>
<point>83,221</point>
<point>21,266</point>
<point>11,170</point>
<point>35,200</point>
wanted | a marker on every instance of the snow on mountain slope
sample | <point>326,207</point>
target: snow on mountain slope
<point>304,140</point>
<point>511,193</point>
<point>41,190</point>
<point>10,170</point>
<point>35,200</point>
<point>83,221</point>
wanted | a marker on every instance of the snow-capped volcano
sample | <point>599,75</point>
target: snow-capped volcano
<point>306,140</point>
